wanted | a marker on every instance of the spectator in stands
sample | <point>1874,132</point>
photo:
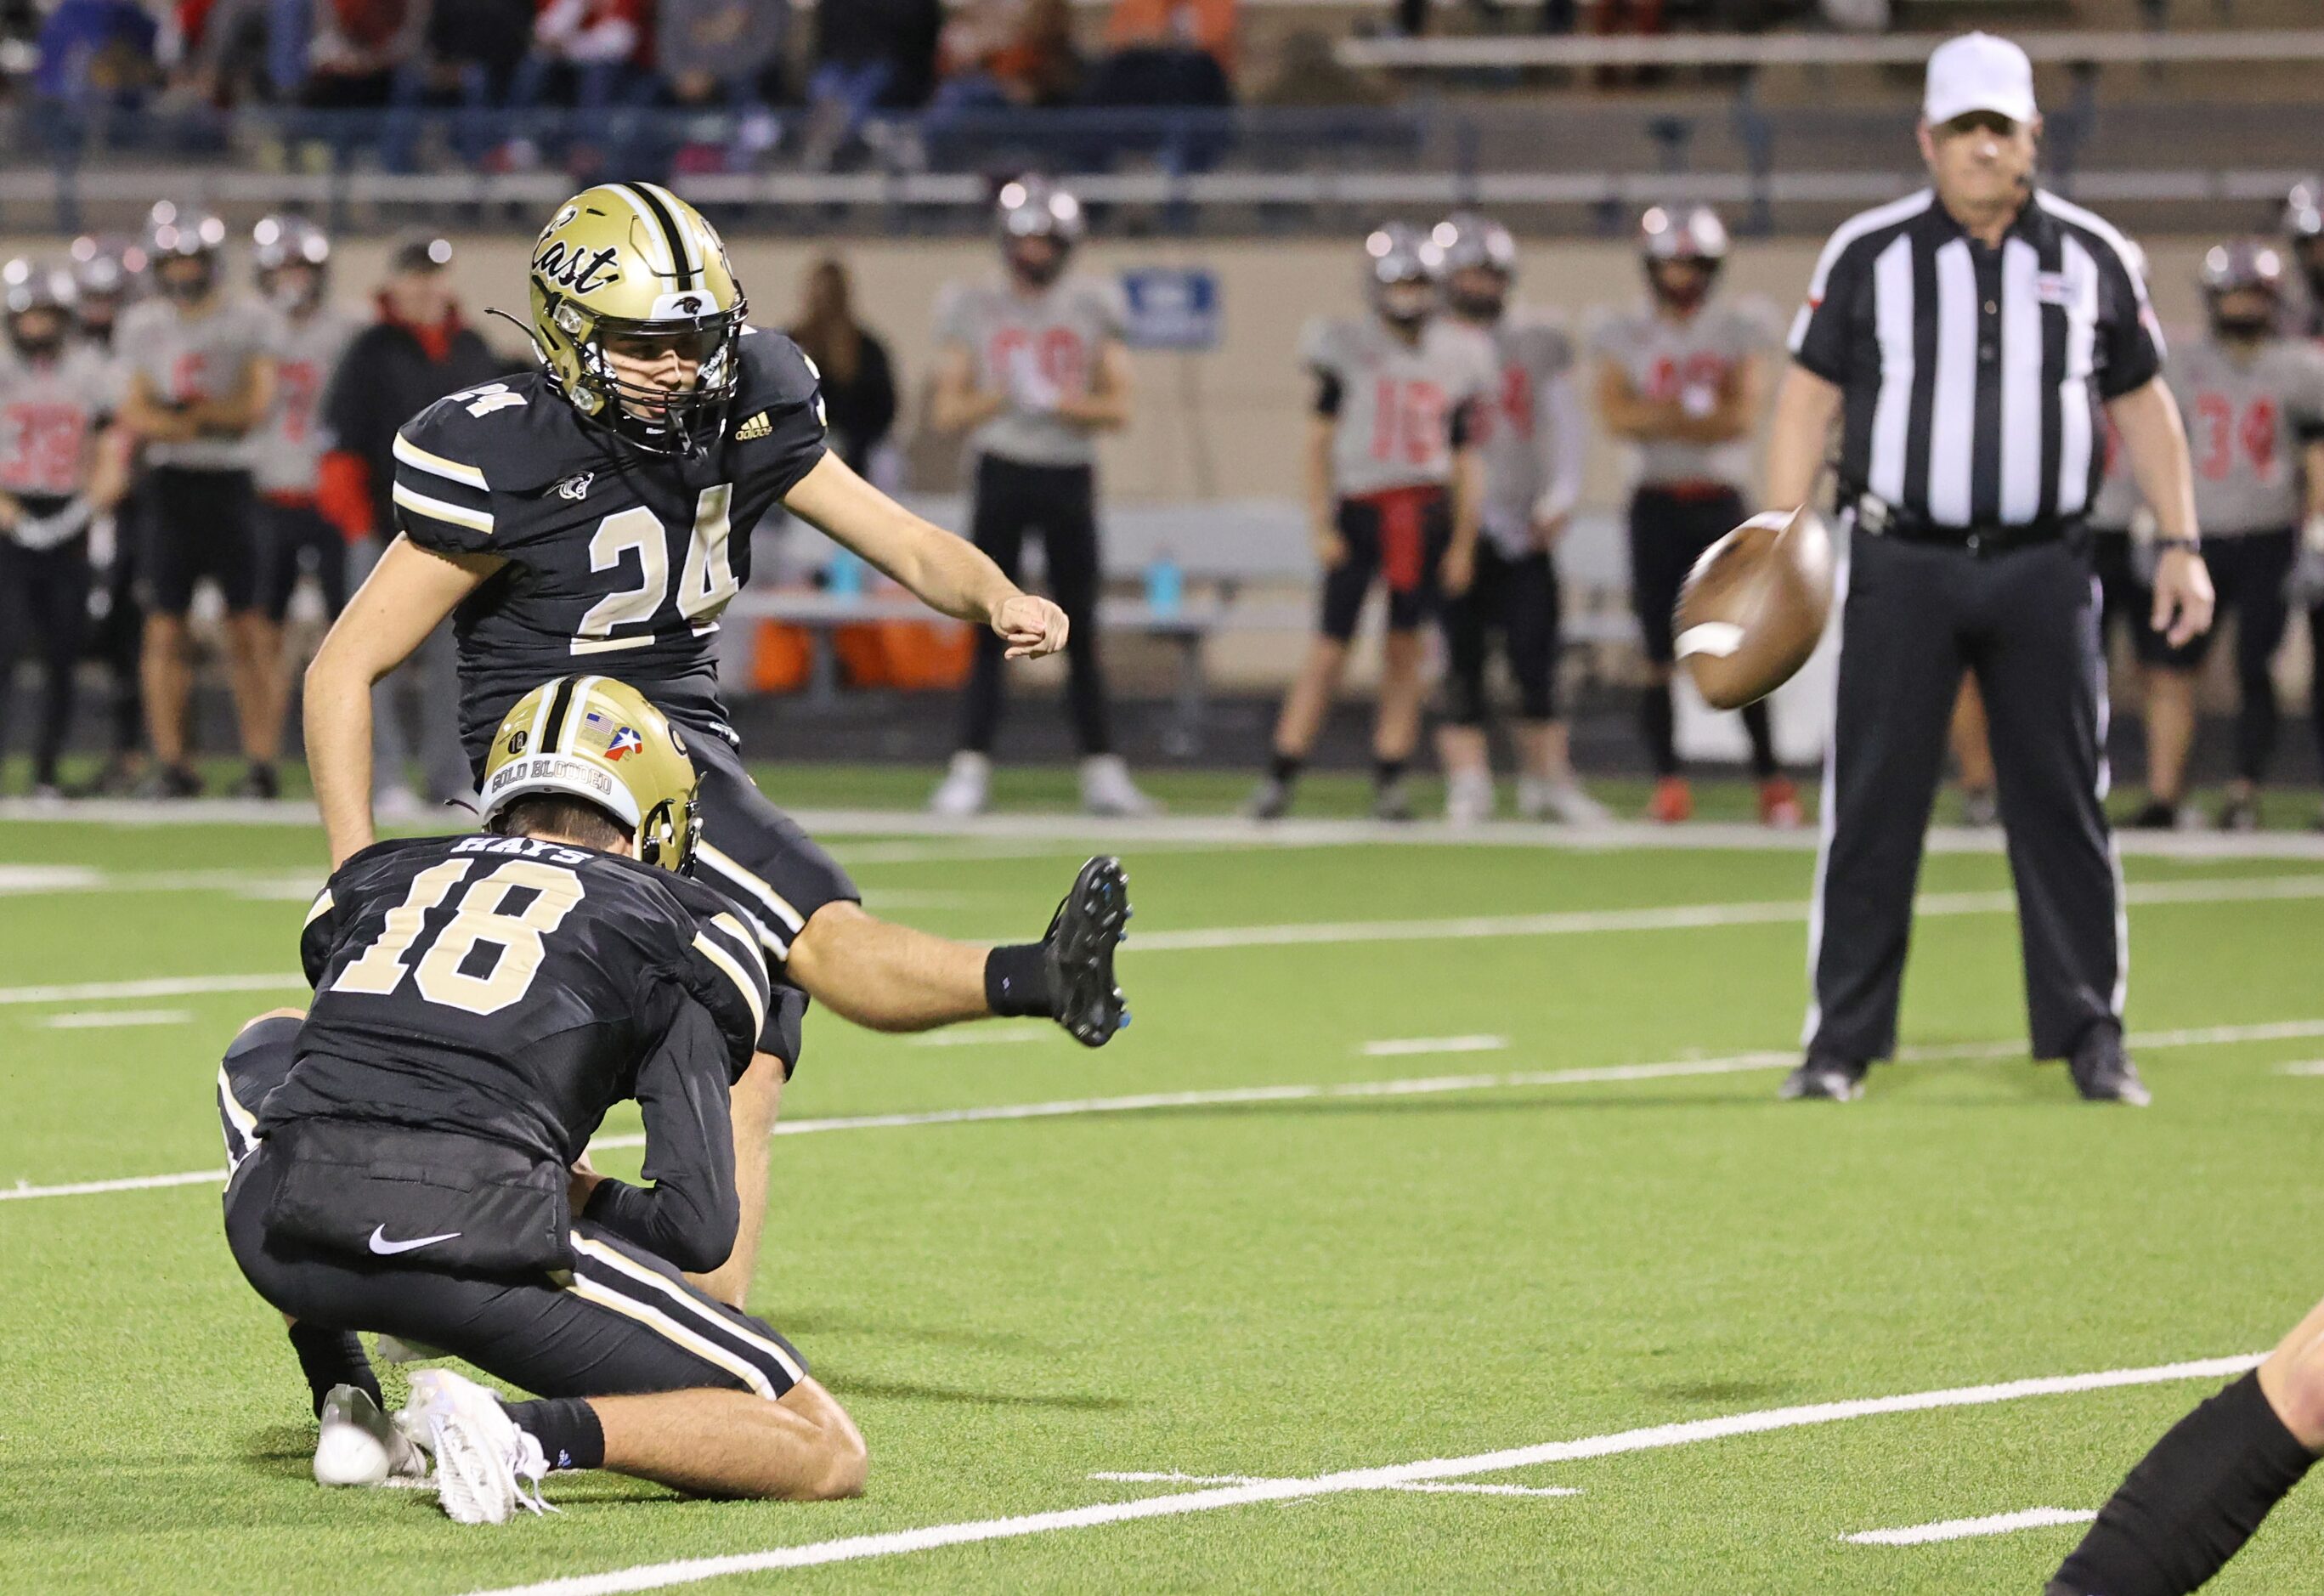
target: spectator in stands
<point>362,54</point>
<point>1206,25</point>
<point>1309,75</point>
<point>859,382</point>
<point>869,55</point>
<point>584,52</point>
<point>1000,53</point>
<point>474,48</point>
<point>251,49</point>
<point>416,352</point>
<point>719,52</point>
<point>97,52</point>
<point>1167,52</point>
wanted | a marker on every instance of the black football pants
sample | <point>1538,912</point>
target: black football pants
<point>43,615</point>
<point>2026,621</point>
<point>1059,503</point>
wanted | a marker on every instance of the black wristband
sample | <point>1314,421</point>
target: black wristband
<point>2192,542</point>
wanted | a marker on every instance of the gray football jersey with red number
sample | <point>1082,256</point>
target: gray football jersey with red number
<point>50,411</point>
<point>198,358</point>
<point>1528,428</point>
<point>2247,419</point>
<point>1397,399</point>
<point>1688,361</point>
<point>291,448</point>
<point>1058,333</point>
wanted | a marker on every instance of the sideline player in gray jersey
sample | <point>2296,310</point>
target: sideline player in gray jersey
<point>2303,231</point>
<point>1032,367</point>
<point>1393,490</point>
<point>1681,378</point>
<point>107,274</point>
<point>1529,439</point>
<point>201,379</point>
<point>2254,400</point>
<point>291,258</point>
<point>60,467</point>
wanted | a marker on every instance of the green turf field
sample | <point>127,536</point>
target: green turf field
<point>1408,1255</point>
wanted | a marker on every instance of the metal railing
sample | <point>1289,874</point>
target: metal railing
<point>1566,165</point>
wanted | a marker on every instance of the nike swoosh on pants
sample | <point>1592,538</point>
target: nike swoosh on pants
<point>387,1248</point>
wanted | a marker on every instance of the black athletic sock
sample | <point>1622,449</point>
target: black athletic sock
<point>330,1358</point>
<point>1286,768</point>
<point>1763,739</point>
<point>567,1429</point>
<point>1654,724</point>
<point>2193,1502</point>
<point>1017,981</point>
<point>1387,772</point>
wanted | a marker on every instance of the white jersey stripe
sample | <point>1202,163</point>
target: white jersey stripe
<point>440,510</point>
<point>2021,382</point>
<point>436,465</point>
<point>2074,431</point>
<point>752,997</point>
<point>755,886</point>
<point>1892,414</point>
<point>1953,413</point>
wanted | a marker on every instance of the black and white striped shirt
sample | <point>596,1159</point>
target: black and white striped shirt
<point>1972,377</point>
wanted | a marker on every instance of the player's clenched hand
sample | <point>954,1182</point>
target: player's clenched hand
<point>1031,626</point>
<point>2183,598</point>
<point>580,1183</point>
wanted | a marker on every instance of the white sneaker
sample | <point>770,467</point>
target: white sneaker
<point>361,1445</point>
<point>399,805</point>
<point>1107,789</point>
<point>487,1468</point>
<point>1563,801</point>
<point>1468,798</point>
<point>964,788</point>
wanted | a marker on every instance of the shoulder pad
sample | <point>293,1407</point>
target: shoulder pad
<point>518,431</point>
<point>776,374</point>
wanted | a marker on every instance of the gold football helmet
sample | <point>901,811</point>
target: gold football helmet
<point>592,738</point>
<point>633,260</point>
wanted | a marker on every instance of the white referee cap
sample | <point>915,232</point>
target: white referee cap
<point>1979,72</point>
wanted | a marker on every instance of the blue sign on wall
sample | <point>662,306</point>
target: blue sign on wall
<point>1172,308</point>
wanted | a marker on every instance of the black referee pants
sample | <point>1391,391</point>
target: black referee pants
<point>1059,504</point>
<point>2025,620</point>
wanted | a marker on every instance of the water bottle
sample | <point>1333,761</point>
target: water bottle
<point>843,577</point>
<point>1165,585</point>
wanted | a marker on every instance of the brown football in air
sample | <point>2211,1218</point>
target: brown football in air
<point>1754,607</point>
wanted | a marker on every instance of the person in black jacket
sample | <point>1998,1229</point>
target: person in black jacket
<point>416,352</point>
<point>859,382</point>
<point>409,1156</point>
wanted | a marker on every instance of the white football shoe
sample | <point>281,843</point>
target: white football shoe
<point>361,1445</point>
<point>1563,801</point>
<point>965,787</point>
<point>1107,789</point>
<point>399,805</point>
<point>1468,798</point>
<point>487,1468</point>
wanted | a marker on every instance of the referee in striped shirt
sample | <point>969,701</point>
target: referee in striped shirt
<point>1964,340</point>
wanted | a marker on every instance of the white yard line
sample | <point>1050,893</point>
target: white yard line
<point>1402,1046</point>
<point>1962,1529</point>
<point>19,880</point>
<point>655,1576</point>
<point>160,986</point>
<point>1430,1487</point>
<point>1064,832</point>
<point>1680,917</point>
<point>2306,1067</point>
<point>985,1036</point>
<point>106,1018</point>
<point>1403,1086</point>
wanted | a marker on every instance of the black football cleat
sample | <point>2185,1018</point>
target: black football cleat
<point>2103,1072</point>
<point>1820,1074</point>
<point>1089,924</point>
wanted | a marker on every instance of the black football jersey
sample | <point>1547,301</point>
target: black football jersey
<point>619,561</point>
<point>511,989</point>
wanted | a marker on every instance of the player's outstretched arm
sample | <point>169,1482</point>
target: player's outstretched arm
<point>409,594</point>
<point>943,572</point>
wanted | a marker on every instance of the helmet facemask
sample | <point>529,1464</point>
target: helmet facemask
<point>672,422</point>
